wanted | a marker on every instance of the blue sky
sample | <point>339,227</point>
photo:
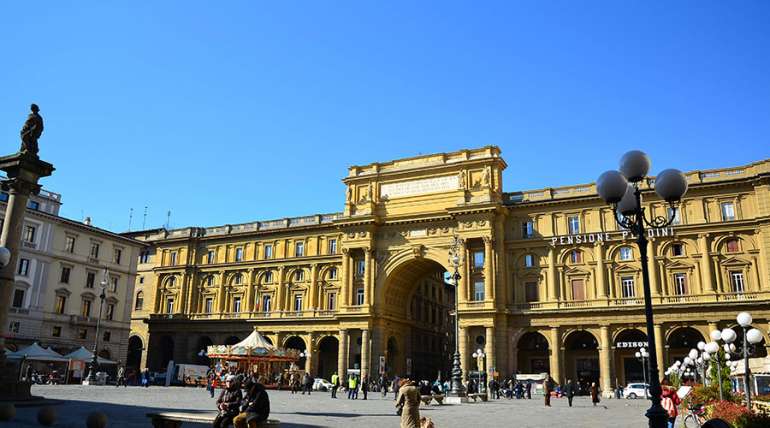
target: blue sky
<point>254,110</point>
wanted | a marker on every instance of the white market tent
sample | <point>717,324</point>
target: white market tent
<point>36,353</point>
<point>83,354</point>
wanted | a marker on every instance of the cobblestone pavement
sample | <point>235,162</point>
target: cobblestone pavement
<point>126,407</point>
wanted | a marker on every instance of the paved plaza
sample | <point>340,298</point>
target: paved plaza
<point>126,407</point>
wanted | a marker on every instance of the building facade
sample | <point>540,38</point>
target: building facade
<point>549,282</point>
<point>62,266</point>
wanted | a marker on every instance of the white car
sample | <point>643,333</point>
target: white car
<point>321,384</point>
<point>636,390</point>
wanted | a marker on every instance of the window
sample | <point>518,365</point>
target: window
<point>29,233</point>
<point>333,273</point>
<point>576,256</point>
<point>117,253</point>
<point>332,301</point>
<point>359,296</point>
<point>110,311</point>
<point>170,305</point>
<point>144,256</point>
<point>527,229</point>
<point>33,205</point>
<point>675,214</point>
<point>529,260</point>
<point>268,251</point>
<point>23,267</point>
<point>573,222</point>
<point>531,291</point>
<point>210,280</point>
<point>360,267</point>
<point>578,289</point>
<point>18,298</point>
<point>85,309</point>
<point>238,279</point>
<point>114,281</point>
<point>478,290</point>
<point>141,280</point>
<point>680,284</point>
<point>208,305</point>
<point>297,303</point>
<point>239,254</point>
<point>728,211</point>
<point>299,275</point>
<point>69,244</point>
<point>173,258</point>
<point>626,253</point>
<point>677,249</point>
<point>61,304</point>
<point>268,277</point>
<point>65,275</point>
<point>628,288</point>
<point>265,303</point>
<point>210,257</point>
<point>94,250</point>
<point>236,304</point>
<point>14,327</point>
<point>171,281</point>
<point>332,246</point>
<point>139,301</point>
<point>732,246</point>
<point>736,281</point>
<point>107,336</point>
<point>299,249</point>
<point>82,333</point>
<point>478,259</point>
<point>90,279</point>
<point>56,331</point>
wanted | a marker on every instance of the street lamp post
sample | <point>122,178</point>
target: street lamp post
<point>480,357</point>
<point>621,190</point>
<point>643,355</point>
<point>306,355</point>
<point>456,250</point>
<point>750,336</point>
<point>91,378</point>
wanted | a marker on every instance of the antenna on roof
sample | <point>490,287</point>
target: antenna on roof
<point>168,219</point>
<point>144,219</point>
<point>130,217</point>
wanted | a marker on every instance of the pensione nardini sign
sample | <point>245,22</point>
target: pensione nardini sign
<point>602,237</point>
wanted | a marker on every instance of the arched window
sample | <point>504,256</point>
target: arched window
<point>210,280</point>
<point>139,301</point>
<point>332,273</point>
<point>626,253</point>
<point>732,246</point>
<point>171,281</point>
<point>576,256</point>
<point>299,275</point>
<point>237,279</point>
<point>529,260</point>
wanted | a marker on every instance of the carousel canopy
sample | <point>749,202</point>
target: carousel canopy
<point>83,354</point>
<point>254,346</point>
<point>37,353</point>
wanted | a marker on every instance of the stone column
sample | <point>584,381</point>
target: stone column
<point>342,354</point>
<point>464,355</point>
<point>489,349</point>
<point>659,341</point>
<point>311,358</point>
<point>488,271</point>
<point>601,287</point>
<point>555,354</point>
<point>605,361</point>
<point>365,351</point>
<point>553,295</point>
<point>707,281</point>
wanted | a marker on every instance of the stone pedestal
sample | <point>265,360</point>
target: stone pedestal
<point>455,400</point>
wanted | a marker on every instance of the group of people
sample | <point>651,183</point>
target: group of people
<point>303,383</point>
<point>243,402</point>
<point>353,385</point>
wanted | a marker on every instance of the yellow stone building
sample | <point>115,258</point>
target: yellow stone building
<point>549,281</point>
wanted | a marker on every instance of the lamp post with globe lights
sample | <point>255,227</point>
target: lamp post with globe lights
<point>621,189</point>
<point>91,378</point>
<point>642,355</point>
<point>456,250</point>
<point>751,336</point>
<point>480,357</point>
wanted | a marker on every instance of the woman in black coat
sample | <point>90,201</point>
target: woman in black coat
<point>228,403</point>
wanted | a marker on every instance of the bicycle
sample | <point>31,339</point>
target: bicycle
<point>695,416</point>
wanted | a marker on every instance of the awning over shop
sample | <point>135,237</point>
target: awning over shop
<point>37,353</point>
<point>83,354</point>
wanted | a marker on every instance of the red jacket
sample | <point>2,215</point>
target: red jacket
<point>670,401</point>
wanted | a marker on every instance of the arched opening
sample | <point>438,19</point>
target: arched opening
<point>232,340</point>
<point>328,348</point>
<point>628,367</point>
<point>166,351</point>
<point>417,296</point>
<point>533,353</point>
<point>296,342</point>
<point>200,350</point>
<point>268,340</point>
<point>134,357</point>
<point>582,359</point>
<point>679,343</point>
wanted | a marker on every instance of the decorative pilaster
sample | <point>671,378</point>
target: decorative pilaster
<point>488,270</point>
<point>601,287</point>
<point>707,281</point>
<point>553,294</point>
<point>367,277</point>
<point>313,297</point>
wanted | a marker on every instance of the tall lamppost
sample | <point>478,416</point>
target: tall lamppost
<point>750,337</point>
<point>456,250</point>
<point>480,357</point>
<point>621,189</point>
<point>91,379</point>
<point>306,355</point>
<point>642,355</point>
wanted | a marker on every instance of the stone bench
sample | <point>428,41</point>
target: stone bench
<point>474,397</point>
<point>426,399</point>
<point>176,419</point>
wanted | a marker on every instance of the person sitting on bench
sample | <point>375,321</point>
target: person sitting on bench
<point>256,405</point>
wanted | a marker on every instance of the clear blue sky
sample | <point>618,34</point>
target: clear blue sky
<point>255,110</point>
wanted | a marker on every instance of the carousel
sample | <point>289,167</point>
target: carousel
<point>254,354</point>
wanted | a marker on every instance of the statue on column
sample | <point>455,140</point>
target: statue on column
<point>31,131</point>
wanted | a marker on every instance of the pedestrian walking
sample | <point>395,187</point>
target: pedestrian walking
<point>408,404</point>
<point>595,393</point>
<point>146,378</point>
<point>352,387</point>
<point>670,401</point>
<point>335,384</point>
<point>365,385</point>
<point>121,377</point>
<point>569,391</point>
<point>307,383</point>
<point>228,403</point>
<point>384,385</point>
<point>529,390</point>
<point>547,388</point>
<point>210,384</point>
<point>395,387</point>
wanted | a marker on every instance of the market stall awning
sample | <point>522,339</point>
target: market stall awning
<point>83,354</point>
<point>37,353</point>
